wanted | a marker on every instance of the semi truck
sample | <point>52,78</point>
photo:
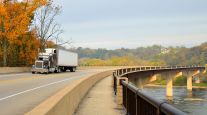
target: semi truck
<point>55,60</point>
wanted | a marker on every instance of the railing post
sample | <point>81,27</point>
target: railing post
<point>119,89</point>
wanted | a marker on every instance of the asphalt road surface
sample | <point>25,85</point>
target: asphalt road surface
<point>21,92</point>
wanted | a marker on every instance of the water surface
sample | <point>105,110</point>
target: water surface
<point>193,103</point>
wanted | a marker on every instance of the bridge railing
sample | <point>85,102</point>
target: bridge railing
<point>123,71</point>
<point>137,102</point>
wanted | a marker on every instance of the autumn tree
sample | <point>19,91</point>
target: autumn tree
<point>45,25</point>
<point>2,30</point>
<point>24,51</point>
<point>15,18</point>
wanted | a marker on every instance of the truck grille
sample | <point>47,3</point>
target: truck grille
<point>38,65</point>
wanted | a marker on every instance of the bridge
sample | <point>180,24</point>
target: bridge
<point>62,94</point>
<point>150,74</point>
<point>137,102</point>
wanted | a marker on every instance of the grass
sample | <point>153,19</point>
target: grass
<point>200,84</point>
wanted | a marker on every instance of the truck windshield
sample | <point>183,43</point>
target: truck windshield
<point>43,58</point>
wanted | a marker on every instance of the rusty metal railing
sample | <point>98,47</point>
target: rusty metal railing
<point>137,102</point>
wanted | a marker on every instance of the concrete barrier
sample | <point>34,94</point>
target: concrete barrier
<point>66,101</point>
<point>4,70</point>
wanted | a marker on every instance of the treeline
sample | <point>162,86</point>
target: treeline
<point>152,55</point>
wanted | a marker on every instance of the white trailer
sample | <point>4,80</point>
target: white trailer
<point>66,58</point>
<point>55,60</point>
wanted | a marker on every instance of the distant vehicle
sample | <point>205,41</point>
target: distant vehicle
<point>55,60</point>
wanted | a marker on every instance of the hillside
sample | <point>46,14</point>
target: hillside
<point>152,55</point>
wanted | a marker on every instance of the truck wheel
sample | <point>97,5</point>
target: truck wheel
<point>73,69</point>
<point>63,70</point>
<point>57,70</point>
<point>33,72</point>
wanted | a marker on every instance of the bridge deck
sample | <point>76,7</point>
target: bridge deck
<point>100,100</point>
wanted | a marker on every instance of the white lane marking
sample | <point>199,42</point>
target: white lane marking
<point>42,86</point>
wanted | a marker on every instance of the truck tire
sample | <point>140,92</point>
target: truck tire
<point>73,69</point>
<point>59,70</point>
<point>56,71</point>
<point>33,72</point>
<point>63,69</point>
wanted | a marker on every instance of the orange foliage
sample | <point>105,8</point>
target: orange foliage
<point>29,48</point>
<point>50,44</point>
<point>15,19</point>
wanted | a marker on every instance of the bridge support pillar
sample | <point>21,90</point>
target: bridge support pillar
<point>189,83</point>
<point>153,78</point>
<point>190,75</point>
<point>204,71</point>
<point>139,83</point>
<point>169,86</point>
<point>140,79</point>
<point>169,82</point>
<point>119,90</point>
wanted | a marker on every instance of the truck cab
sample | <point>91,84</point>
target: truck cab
<point>45,62</point>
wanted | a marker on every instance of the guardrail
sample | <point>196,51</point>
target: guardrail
<point>137,102</point>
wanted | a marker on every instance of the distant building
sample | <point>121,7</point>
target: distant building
<point>165,51</point>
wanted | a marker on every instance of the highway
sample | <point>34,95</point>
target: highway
<point>21,92</point>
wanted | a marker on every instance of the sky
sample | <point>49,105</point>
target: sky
<point>114,24</point>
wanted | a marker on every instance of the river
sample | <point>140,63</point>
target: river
<point>194,103</point>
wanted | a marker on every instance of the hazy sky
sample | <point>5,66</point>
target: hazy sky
<point>114,24</point>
